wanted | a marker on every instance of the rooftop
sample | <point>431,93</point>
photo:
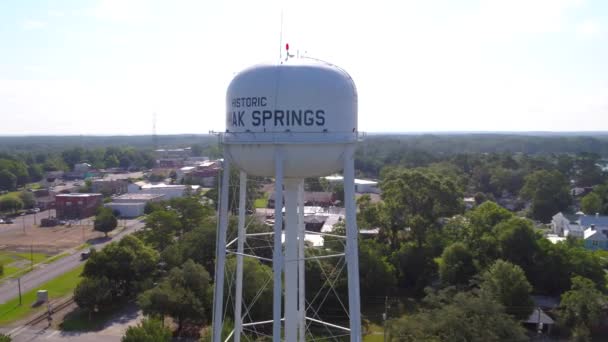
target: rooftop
<point>597,220</point>
<point>77,195</point>
<point>143,197</point>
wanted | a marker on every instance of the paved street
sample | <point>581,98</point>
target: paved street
<point>31,280</point>
<point>111,331</point>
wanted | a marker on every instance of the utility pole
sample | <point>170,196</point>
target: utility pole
<point>384,315</point>
<point>32,254</point>
<point>19,286</point>
<point>23,221</point>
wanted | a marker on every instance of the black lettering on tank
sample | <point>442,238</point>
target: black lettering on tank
<point>278,117</point>
<point>320,115</point>
<point>255,116</point>
<point>263,101</point>
<point>241,114</point>
<point>296,116</point>
<point>308,117</point>
<point>266,115</point>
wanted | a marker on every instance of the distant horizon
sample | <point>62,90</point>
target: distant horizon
<point>532,132</point>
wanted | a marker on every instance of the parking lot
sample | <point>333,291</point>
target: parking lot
<point>25,233</point>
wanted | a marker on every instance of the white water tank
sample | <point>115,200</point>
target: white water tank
<point>306,108</point>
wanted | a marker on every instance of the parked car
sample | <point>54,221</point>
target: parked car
<point>85,255</point>
<point>1,221</point>
<point>8,220</point>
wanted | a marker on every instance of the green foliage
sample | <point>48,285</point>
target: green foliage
<point>105,221</point>
<point>416,200</point>
<point>185,295</point>
<point>93,294</point>
<point>377,275</point>
<point>415,266</point>
<point>148,330</point>
<point>28,199</point>
<point>518,242</point>
<point>129,266</point>
<point>161,228</point>
<point>8,181</point>
<point>591,204</point>
<point>507,284</point>
<point>457,266</point>
<point>581,307</point>
<point>10,202</point>
<point>464,316</point>
<point>5,338</point>
<point>255,276</point>
<point>549,192</point>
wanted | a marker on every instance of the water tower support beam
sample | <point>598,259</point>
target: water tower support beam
<point>291,260</point>
<point>277,257</point>
<point>301,265</point>
<point>352,254</point>
<point>218,302</point>
<point>238,302</point>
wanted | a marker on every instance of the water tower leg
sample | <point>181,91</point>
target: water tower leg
<point>301,266</point>
<point>291,260</point>
<point>277,257</point>
<point>352,249</point>
<point>238,318</point>
<point>218,301</point>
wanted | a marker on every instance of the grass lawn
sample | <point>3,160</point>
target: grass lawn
<point>261,202</point>
<point>18,262</point>
<point>59,287</point>
<point>376,334</point>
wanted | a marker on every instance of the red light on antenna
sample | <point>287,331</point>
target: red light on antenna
<point>287,46</point>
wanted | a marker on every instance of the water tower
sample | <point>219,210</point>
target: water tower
<point>289,121</point>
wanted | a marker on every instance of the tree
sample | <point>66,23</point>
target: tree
<point>255,275</point>
<point>457,266</point>
<point>581,307</point>
<point>414,199</point>
<point>415,266</point>
<point>549,192</point>
<point>10,203</point>
<point>161,228</point>
<point>8,181</point>
<point>93,294</point>
<point>464,316</point>
<point>129,265</point>
<point>518,243</point>
<point>591,204</point>
<point>28,199</point>
<point>5,338</point>
<point>105,221</point>
<point>377,275</point>
<point>148,330</point>
<point>507,284</point>
<point>185,295</point>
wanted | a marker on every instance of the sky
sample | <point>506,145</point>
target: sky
<point>106,66</point>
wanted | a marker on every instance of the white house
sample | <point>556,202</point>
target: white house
<point>132,205</point>
<point>169,191</point>
<point>362,186</point>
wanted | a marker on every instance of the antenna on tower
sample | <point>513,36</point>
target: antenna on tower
<point>281,39</point>
<point>154,137</point>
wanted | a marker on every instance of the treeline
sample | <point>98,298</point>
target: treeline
<point>16,144</point>
<point>475,271</point>
<point>376,151</point>
<point>18,169</point>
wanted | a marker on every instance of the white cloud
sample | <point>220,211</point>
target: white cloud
<point>56,13</point>
<point>588,28</point>
<point>33,24</point>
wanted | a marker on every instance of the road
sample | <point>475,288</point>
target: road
<point>33,279</point>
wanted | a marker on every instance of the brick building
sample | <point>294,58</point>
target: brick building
<point>109,186</point>
<point>77,206</point>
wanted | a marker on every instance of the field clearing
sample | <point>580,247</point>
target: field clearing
<point>57,288</point>
<point>46,240</point>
